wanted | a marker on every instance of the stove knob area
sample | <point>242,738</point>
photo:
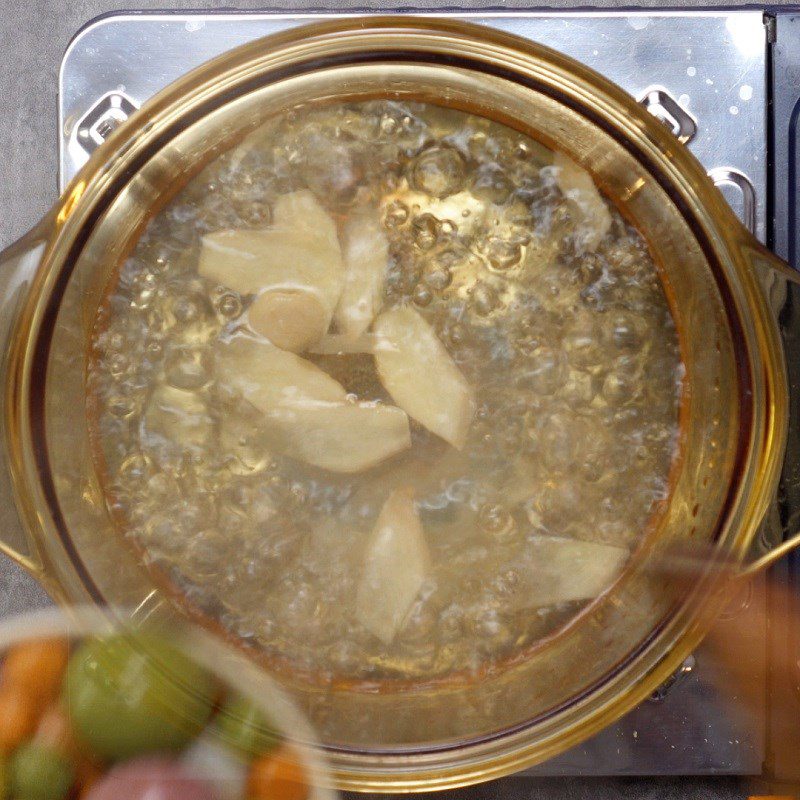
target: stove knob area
<point>679,676</point>
<point>667,110</point>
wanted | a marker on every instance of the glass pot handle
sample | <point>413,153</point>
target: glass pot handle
<point>18,264</point>
<point>781,285</point>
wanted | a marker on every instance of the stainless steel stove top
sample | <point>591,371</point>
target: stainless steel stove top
<point>703,73</point>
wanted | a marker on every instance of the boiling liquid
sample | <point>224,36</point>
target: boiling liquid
<point>571,353</point>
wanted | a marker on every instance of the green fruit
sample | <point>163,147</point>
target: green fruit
<point>128,695</point>
<point>244,727</point>
<point>39,773</point>
<point>3,778</point>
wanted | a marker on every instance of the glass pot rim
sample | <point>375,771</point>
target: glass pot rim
<point>726,242</point>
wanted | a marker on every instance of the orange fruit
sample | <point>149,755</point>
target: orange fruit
<point>37,668</point>
<point>278,775</point>
<point>18,714</point>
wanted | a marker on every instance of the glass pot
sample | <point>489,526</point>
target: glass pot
<point>723,287</point>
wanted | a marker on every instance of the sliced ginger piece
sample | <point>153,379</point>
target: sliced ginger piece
<point>578,186</point>
<point>300,253</point>
<point>339,344</point>
<point>417,371</point>
<point>366,257</point>
<point>270,378</point>
<point>301,212</point>
<point>341,437</point>
<point>290,320</point>
<point>396,563</point>
<point>306,412</point>
<point>562,570</point>
<point>235,259</point>
<point>578,570</point>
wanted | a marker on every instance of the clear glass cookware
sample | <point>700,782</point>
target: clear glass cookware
<point>721,283</point>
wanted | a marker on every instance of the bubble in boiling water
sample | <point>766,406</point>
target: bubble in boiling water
<point>298,493</point>
<point>590,269</point>
<point>484,299</point>
<point>158,531</point>
<point>121,406</point>
<point>388,124</point>
<point>523,150</point>
<point>201,556</point>
<point>422,295</point>
<point>444,263</point>
<point>579,389</point>
<point>228,305</point>
<point>622,257</point>
<point>491,184</point>
<point>592,452</point>
<point>477,144</point>
<point>144,290</point>
<point>189,314</point>
<point>507,583</point>
<point>555,503</point>
<point>496,520</point>
<point>187,308</point>
<point>396,214</point>
<point>425,228</point>
<point>163,487</point>
<point>592,467</point>
<point>557,440</point>
<point>133,469</point>
<point>618,388</point>
<point>625,332</point>
<point>544,370</point>
<point>456,334</point>
<point>255,214</point>
<point>438,171</point>
<point>584,345</point>
<point>161,263</point>
<point>503,254</point>
<point>114,341</point>
<point>452,255</point>
<point>219,214</point>
<point>118,365</point>
<point>451,623</point>
<point>438,277</point>
<point>188,367</point>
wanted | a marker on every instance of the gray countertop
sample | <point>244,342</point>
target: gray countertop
<point>33,36</point>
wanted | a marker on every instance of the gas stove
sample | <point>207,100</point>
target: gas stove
<point>728,84</point>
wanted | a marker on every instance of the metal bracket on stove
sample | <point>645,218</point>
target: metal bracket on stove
<point>667,110</point>
<point>100,121</point>
<point>739,192</point>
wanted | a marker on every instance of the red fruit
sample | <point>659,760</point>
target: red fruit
<point>150,778</point>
